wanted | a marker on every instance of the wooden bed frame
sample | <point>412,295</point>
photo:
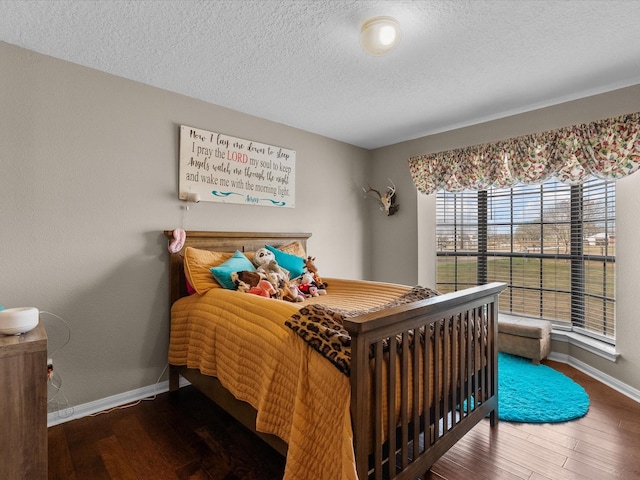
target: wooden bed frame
<point>464,371</point>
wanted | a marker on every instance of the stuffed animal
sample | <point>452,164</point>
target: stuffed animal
<point>310,266</point>
<point>309,289</point>
<point>264,289</point>
<point>245,279</point>
<point>177,242</point>
<point>291,293</point>
<point>308,286</point>
<point>266,265</point>
<point>254,283</point>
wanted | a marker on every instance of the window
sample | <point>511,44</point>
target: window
<point>553,244</point>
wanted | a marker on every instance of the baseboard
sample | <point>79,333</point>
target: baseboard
<point>608,380</point>
<point>115,401</point>
<point>148,392</point>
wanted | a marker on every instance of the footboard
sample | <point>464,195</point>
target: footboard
<point>422,376</point>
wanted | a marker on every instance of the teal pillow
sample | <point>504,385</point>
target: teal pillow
<point>293,263</point>
<point>237,263</point>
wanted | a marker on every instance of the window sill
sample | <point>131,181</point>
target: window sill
<point>591,345</point>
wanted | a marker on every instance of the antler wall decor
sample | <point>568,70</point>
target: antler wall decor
<point>387,200</point>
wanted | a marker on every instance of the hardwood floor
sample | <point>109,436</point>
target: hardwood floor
<point>605,444</point>
<point>190,438</point>
<point>181,437</point>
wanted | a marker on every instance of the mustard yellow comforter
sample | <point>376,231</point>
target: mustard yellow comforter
<point>299,395</point>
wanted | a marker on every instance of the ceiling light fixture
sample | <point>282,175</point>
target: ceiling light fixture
<point>380,35</point>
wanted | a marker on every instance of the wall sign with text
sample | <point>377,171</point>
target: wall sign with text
<point>227,169</point>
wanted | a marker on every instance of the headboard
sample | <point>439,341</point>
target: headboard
<point>222,242</point>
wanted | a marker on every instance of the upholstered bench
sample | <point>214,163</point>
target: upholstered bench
<point>525,337</point>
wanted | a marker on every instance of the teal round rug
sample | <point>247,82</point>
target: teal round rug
<point>531,393</point>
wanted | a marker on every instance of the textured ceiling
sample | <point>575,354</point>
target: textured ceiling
<point>299,62</point>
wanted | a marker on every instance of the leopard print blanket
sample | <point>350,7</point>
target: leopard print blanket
<point>323,328</point>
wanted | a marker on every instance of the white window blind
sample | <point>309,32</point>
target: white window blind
<point>553,244</point>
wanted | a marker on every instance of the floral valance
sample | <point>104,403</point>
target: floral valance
<point>607,149</point>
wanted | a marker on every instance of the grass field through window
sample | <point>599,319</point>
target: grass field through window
<point>539,287</point>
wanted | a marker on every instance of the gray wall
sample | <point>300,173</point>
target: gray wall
<point>89,181</point>
<point>404,245</point>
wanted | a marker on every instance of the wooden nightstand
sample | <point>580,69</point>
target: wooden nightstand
<point>23,405</point>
